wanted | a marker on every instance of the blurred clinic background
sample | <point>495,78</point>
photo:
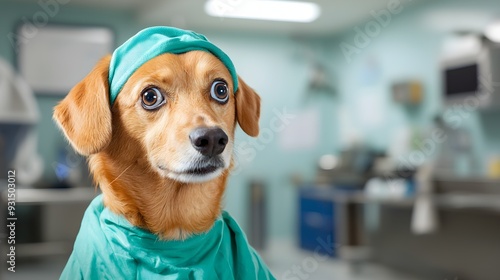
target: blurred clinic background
<point>379,154</point>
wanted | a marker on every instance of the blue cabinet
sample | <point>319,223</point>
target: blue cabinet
<point>317,221</point>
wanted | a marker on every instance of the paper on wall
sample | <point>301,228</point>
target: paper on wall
<point>302,133</point>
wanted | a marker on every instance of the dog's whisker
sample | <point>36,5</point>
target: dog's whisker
<point>123,172</point>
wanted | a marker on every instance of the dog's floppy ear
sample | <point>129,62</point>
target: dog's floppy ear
<point>84,115</point>
<point>247,108</point>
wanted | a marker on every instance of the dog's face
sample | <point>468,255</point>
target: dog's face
<point>182,110</point>
<point>162,152</point>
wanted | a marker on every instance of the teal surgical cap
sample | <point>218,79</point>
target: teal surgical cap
<point>152,42</point>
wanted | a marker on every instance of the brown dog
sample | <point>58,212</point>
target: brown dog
<point>148,153</point>
<point>157,121</point>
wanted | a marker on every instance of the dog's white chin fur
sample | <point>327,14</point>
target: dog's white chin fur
<point>193,178</point>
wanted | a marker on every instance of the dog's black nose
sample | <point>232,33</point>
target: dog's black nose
<point>208,141</point>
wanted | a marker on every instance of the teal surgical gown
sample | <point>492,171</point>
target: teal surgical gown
<point>109,247</point>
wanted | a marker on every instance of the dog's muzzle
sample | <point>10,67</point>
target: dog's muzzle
<point>209,141</point>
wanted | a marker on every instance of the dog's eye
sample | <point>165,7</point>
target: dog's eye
<point>152,98</point>
<point>219,91</point>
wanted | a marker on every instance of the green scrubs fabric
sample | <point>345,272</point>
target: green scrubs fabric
<point>109,247</point>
